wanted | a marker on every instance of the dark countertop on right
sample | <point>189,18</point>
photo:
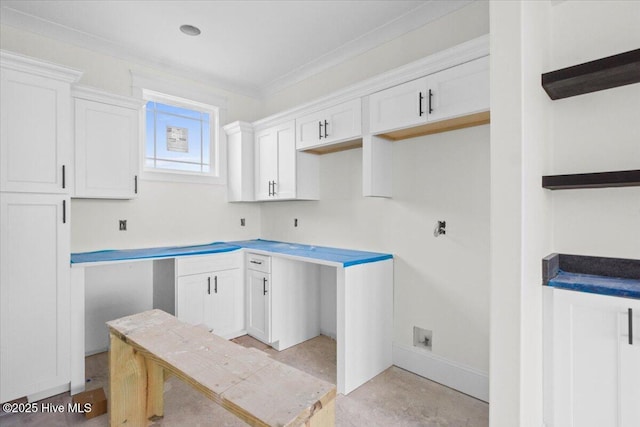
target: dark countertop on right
<point>598,275</point>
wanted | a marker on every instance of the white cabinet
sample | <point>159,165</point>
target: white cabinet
<point>259,297</point>
<point>240,160</point>
<point>458,91</point>
<point>259,305</point>
<point>592,371</point>
<point>283,300</point>
<point>330,126</point>
<point>34,295</point>
<point>281,173</point>
<point>35,157</point>
<point>209,291</point>
<point>35,136</point>
<point>106,144</point>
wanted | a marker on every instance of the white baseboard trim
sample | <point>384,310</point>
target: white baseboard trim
<point>436,368</point>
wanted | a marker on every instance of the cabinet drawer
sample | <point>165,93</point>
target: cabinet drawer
<point>259,263</point>
<point>206,263</point>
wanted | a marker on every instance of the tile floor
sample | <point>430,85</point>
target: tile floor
<point>393,398</point>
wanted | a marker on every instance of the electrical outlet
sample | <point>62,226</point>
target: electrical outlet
<point>242,222</point>
<point>295,222</point>
<point>123,225</point>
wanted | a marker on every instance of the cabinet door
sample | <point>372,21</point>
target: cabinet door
<point>266,163</point>
<point>285,186</point>
<point>332,125</point>
<point>596,380</point>
<point>398,107</point>
<point>630,370</point>
<point>227,316</point>
<point>34,295</point>
<point>459,90</point>
<point>276,162</point>
<point>106,146</point>
<point>193,303</point>
<point>35,136</point>
<point>259,305</point>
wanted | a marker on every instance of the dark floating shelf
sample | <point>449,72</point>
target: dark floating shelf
<point>628,178</point>
<point>606,73</point>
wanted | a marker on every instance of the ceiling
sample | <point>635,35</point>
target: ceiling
<point>251,47</point>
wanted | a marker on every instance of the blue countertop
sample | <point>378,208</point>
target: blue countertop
<point>603,285</point>
<point>346,257</point>
<point>163,252</point>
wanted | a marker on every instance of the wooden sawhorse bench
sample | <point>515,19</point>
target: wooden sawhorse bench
<point>245,381</point>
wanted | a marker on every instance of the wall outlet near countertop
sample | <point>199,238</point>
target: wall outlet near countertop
<point>122,225</point>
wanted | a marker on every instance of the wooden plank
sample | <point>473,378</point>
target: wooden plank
<point>606,73</point>
<point>627,178</point>
<point>155,389</point>
<point>334,148</point>
<point>128,401</point>
<point>247,382</point>
<point>470,120</point>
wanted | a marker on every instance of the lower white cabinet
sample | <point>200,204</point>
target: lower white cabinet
<point>34,296</point>
<point>259,296</point>
<point>592,367</point>
<point>209,292</point>
<point>259,305</point>
<point>283,300</point>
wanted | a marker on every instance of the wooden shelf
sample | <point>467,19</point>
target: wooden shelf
<point>606,73</point>
<point>470,120</point>
<point>628,178</point>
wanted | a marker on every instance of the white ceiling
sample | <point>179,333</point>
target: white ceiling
<point>252,47</point>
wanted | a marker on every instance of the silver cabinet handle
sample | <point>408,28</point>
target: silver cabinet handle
<point>264,286</point>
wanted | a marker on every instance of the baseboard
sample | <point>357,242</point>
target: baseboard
<point>446,372</point>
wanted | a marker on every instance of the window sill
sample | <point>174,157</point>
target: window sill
<point>151,175</point>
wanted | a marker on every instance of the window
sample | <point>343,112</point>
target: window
<point>180,136</point>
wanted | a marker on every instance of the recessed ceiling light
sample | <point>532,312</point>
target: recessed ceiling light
<point>190,30</point>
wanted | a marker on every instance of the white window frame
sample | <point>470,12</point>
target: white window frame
<point>183,95</point>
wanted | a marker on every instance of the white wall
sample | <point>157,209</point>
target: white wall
<point>440,283</point>
<point>596,132</point>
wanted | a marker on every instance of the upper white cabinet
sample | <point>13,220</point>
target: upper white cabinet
<point>592,366</point>
<point>281,173</point>
<point>240,159</point>
<point>106,144</point>
<point>457,91</point>
<point>330,126</point>
<point>36,135</point>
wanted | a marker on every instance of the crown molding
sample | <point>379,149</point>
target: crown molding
<point>430,11</point>
<point>14,61</point>
<point>456,55</point>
